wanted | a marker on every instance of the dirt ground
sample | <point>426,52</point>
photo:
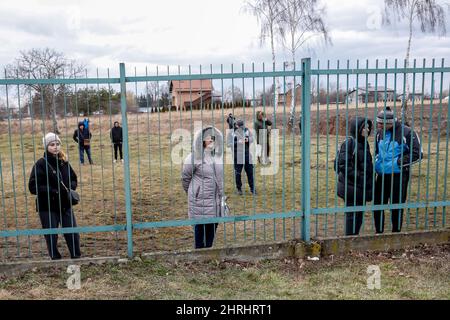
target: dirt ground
<point>167,122</point>
<point>416,273</point>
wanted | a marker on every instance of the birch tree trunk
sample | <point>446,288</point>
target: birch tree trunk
<point>405,108</point>
<point>277,86</point>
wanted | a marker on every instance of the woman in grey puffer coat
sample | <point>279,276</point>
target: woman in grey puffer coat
<point>202,179</point>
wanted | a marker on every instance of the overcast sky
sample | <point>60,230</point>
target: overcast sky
<point>179,32</point>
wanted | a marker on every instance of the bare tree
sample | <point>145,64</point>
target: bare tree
<point>234,95</point>
<point>268,13</point>
<point>45,64</point>
<point>301,21</point>
<point>152,90</point>
<point>428,13</point>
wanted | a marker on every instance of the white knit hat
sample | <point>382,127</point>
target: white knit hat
<point>49,138</point>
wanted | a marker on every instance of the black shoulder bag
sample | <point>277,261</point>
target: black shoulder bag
<point>74,197</point>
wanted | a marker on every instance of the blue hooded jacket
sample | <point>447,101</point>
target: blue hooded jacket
<point>396,150</point>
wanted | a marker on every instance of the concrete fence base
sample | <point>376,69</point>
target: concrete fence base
<point>253,253</point>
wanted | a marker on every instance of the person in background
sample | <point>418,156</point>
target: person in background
<point>231,120</point>
<point>116,139</point>
<point>240,141</point>
<point>86,123</point>
<point>83,137</point>
<point>263,137</point>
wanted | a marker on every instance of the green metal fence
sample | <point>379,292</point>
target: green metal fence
<point>140,206</point>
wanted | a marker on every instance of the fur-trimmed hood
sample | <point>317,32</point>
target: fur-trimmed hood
<point>197,145</point>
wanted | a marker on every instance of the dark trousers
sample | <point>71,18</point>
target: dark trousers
<point>265,147</point>
<point>395,198</point>
<point>238,173</point>
<point>353,220</point>
<point>119,147</point>
<point>67,220</point>
<point>204,235</point>
<point>88,151</point>
<point>265,150</point>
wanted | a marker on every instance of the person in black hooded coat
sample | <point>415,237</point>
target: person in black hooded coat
<point>355,172</point>
<point>116,138</point>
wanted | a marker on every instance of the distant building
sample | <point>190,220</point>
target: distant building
<point>184,93</point>
<point>286,97</point>
<point>363,94</point>
<point>417,96</point>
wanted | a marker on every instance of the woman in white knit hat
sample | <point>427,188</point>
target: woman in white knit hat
<point>51,180</point>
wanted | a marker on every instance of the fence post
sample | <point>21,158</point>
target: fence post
<point>306,147</point>
<point>127,186</point>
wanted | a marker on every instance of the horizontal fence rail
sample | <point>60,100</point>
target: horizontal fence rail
<point>140,204</point>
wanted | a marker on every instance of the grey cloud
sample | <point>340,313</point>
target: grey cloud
<point>37,24</point>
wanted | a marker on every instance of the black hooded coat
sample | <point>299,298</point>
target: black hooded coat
<point>355,159</point>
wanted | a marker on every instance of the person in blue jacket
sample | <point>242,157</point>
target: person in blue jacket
<point>83,137</point>
<point>397,148</point>
<point>86,123</point>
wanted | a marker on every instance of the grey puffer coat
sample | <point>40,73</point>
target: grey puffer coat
<point>202,176</point>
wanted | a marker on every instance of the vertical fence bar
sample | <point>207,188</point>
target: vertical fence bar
<point>327,149</point>
<point>444,198</point>
<point>355,173</point>
<point>375,111</point>
<point>149,139</point>
<point>170,152</point>
<point>126,183</point>
<point>113,170</point>
<point>34,149</point>
<point>346,135</point>
<point>316,218</point>
<point>254,120</point>
<point>247,127</point>
<point>421,141</point>
<point>23,167</point>
<point>5,223</point>
<point>138,149</point>
<point>99,118</point>
<point>293,102</point>
<point>9,111</point>
<point>337,145</point>
<point>408,218</point>
<point>403,123</point>
<point>306,146</point>
<point>366,143</point>
<point>430,135</point>
<point>264,176</point>
<point>283,174</point>
<point>441,86</point>
<point>275,107</point>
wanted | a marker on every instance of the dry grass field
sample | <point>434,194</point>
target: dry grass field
<point>156,189</point>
